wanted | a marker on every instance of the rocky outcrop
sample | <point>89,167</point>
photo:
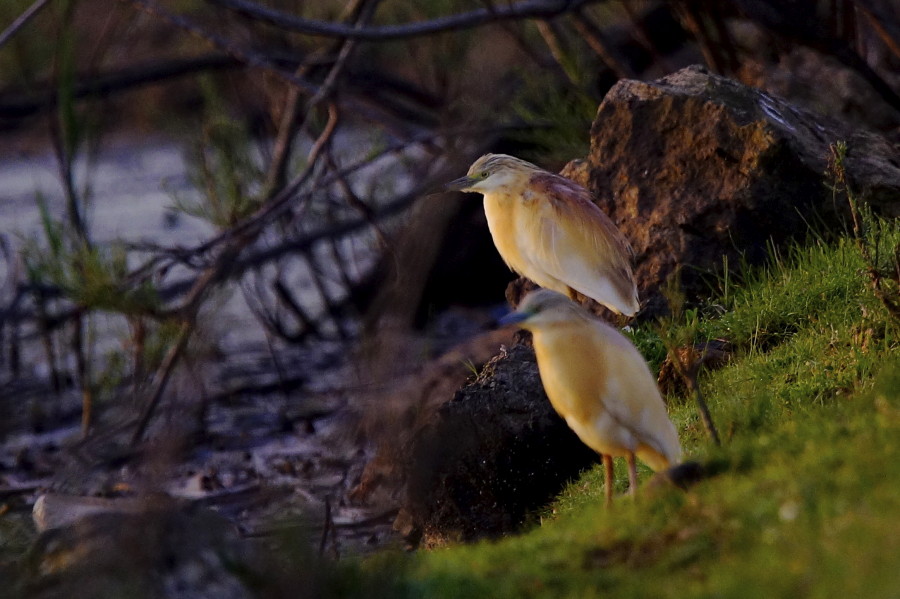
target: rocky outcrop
<point>697,169</point>
<point>493,453</point>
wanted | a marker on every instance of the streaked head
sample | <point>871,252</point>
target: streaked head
<point>543,307</point>
<point>492,172</point>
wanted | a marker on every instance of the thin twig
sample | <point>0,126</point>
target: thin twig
<point>282,201</point>
<point>288,127</point>
<point>284,296</point>
<point>366,12</point>
<point>885,28</point>
<point>326,526</point>
<point>597,41</point>
<point>694,388</point>
<point>21,21</point>
<point>330,307</point>
<point>46,335</point>
<point>82,372</point>
<point>639,30</point>
<point>276,174</point>
<point>692,20</point>
<point>554,43</point>
<point>161,379</point>
<point>689,371</point>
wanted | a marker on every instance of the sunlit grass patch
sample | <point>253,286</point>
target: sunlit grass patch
<point>773,303</point>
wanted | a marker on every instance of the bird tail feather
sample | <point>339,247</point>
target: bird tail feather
<point>653,458</point>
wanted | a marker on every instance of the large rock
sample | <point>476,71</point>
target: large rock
<point>492,454</point>
<point>695,168</point>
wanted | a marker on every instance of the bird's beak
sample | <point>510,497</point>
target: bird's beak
<point>460,184</point>
<point>513,318</point>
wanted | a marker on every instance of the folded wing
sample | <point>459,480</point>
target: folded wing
<point>580,245</point>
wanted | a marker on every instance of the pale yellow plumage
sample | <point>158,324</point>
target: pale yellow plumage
<point>599,383</point>
<point>547,229</point>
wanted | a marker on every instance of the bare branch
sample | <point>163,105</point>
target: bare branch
<point>602,47</point>
<point>275,178</point>
<point>883,25</point>
<point>161,379</point>
<point>554,43</point>
<point>526,9</point>
<point>22,20</point>
<point>284,296</point>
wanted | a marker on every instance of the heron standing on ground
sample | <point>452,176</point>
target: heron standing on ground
<point>547,229</point>
<point>599,383</point>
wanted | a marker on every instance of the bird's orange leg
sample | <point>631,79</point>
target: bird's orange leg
<point>632,474</point>
<point>608,469</point>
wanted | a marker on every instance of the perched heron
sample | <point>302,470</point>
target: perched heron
<point>547,229</point>
<point>599,383</point>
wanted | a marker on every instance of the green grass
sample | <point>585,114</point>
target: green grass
<point>808,504</point>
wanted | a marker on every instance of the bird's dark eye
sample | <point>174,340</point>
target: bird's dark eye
<point>484,174</point>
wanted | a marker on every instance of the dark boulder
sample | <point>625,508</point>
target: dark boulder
<point>491,455</point>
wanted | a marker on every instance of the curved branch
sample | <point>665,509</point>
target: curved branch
<point>21,21</point>
<point>526,9</point>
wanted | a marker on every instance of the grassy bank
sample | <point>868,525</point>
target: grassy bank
<point>809,500</point>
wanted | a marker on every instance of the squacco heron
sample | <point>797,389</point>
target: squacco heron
<point>599,383</point>
<point>547,229</point>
